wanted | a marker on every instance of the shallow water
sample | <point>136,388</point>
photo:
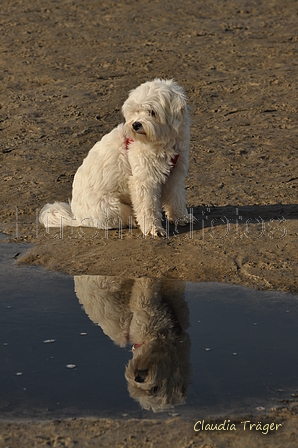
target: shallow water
<point>238,353</point>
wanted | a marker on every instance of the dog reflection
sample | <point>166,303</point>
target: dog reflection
<point>152,315</point>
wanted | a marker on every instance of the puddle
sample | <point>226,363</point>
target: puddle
<point>217,348</point>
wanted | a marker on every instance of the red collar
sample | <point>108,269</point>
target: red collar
<point>136,346</point>
<point>129,140</point>
<point>174,159</point>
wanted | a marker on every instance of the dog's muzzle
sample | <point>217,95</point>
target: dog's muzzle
<point>137,126</point>
<point>141,376</point>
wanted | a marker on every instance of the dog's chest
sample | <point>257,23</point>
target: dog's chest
<point>146,164</point>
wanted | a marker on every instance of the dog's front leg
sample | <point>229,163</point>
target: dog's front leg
<point>146,201</point>
<point>174,197</point>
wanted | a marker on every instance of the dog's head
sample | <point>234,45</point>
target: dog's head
<point>155,111</point>
<point>158,374</point>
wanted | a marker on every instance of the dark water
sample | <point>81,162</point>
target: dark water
<point>238,353</point>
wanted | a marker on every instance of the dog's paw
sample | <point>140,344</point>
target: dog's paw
<point>152,227</point>
<point>157,231</point>
<point>189,218</point>
<point>183,220</point>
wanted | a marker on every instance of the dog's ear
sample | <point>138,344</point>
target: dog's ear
<point>125,109</point>
<point>178,97</point>
<point>179,110</point>
<point>178,102</point>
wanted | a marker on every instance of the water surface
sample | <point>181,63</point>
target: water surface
<point>217,347</point>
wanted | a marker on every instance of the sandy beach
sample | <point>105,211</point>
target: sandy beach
<point>173,432</point>
<point>66,69</point>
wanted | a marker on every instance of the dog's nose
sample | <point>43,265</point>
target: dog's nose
<point>141,376</point>
<point>136,125</point>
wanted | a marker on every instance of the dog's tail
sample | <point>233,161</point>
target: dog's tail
<point>56,215</point>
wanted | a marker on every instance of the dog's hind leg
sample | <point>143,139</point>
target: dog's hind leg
<point>106,212</point>
<point>114,214</point>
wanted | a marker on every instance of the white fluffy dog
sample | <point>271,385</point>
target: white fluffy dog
<point>152,315</point>
<point>136,170</point>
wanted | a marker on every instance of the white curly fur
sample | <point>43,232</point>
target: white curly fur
<point>115,184</point>
<point>150,315</point>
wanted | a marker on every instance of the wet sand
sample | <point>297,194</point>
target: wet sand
<point>67,67</point>
<point>173,432</point>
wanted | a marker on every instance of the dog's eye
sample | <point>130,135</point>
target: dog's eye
<point>152,113</point>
